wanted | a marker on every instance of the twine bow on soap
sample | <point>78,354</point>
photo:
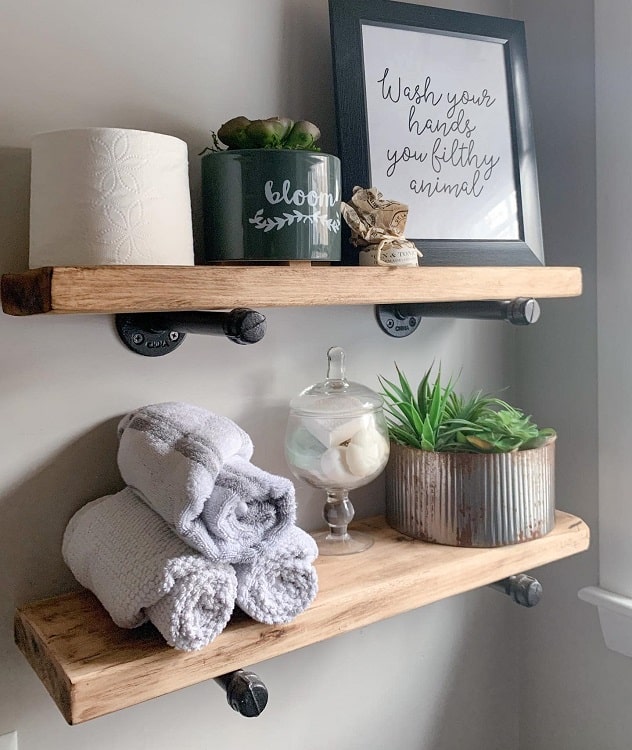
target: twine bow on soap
<point>377,227</point>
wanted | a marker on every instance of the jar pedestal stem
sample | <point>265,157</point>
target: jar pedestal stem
<point>338,513</point>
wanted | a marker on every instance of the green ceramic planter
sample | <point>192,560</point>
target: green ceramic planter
<point>269,205</point>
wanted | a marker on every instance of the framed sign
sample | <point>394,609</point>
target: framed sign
<point>432,110</point>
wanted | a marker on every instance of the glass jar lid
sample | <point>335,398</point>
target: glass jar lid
<point>336,395</point>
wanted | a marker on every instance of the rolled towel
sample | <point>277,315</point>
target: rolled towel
<point>281,582</point>
<point>248,510</point>
<point>192,467</point>
<point>123,552</point>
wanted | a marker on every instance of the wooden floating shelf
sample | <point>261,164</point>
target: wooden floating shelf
<point>120,289</point>
<point>91,668</point>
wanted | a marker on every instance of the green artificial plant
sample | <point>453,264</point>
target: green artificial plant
<point>434,417</point>
<point>271,133</point>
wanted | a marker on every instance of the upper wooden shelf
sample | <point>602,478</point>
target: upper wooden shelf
<point>91,668</point>
<point>120,289</point>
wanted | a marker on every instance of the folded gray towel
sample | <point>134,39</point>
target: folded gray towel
<point>281,582</point>
<point>192,467</point>
<point>127,556</point>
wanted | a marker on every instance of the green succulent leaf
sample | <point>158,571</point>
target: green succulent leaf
<point>395,393</point>
<point>233,132</point>
<point>439,419</point>
<point>404,385</point>
<point>303,135</point>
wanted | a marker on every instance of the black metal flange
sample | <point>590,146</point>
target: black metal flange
<point>158,333</point>
<point>402,320</point>
<point>397,320</point>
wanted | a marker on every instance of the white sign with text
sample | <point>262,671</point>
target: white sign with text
<point>439,132</point>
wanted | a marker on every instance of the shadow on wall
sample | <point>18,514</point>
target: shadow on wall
<point>35,513</point>
<point>305,75</point>
<point>15,168</point>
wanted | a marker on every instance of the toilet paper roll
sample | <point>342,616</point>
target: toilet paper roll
<point>107,196</point>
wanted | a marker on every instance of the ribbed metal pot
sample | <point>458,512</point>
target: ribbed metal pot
<point>471,499</point>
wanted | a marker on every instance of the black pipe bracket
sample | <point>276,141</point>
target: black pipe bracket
<point>521,588</point>
<point>245,692</point>
<point>403,319</point>
<point>155,334</point>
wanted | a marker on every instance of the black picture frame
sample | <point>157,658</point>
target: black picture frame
<point>348,18</point>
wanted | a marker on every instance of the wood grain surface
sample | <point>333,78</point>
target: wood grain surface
<point>91,667</point>
<point>115,289</point>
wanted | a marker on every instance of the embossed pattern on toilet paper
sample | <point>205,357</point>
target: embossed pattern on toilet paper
<point>118,169</point>
<point>106,196</point>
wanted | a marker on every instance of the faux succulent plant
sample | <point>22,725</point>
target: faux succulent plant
<point>271,133</point>
<point>434,417</point>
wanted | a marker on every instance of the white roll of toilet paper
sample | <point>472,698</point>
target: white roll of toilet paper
<point>107,196</point>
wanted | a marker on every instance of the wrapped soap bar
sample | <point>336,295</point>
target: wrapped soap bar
<point>334,469</point>
<point>366,452</point>
<point>338,425</point>
<point>377,229</point>
<point>304,451</point>
<point>359,458</point>
<point>348,451</point>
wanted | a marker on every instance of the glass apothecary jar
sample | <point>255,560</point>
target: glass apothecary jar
<point>337,440</point>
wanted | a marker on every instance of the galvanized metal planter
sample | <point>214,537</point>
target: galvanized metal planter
<point>471,499</point>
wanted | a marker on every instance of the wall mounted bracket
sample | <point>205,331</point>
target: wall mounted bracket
<point>523,589</point>
<point>245,692</point>
<point>403,319</point>
<point>155,334</point>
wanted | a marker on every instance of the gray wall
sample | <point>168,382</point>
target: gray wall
<point>183,69</point>
<point>575,693</point>
<point>613,25</point>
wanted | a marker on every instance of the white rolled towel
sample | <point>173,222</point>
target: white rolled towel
<point>123,552</point>
<point>192,467</point>
<point>282,581</point>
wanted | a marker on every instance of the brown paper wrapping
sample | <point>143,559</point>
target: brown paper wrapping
<point>377,228</point>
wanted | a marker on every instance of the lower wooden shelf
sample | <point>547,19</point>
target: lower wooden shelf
<point>91,667</point>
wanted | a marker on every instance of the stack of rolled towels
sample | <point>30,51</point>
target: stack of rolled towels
<point>197,530</point>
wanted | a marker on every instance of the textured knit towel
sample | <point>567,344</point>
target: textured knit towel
<point>127,556</point>
<point>282,582</point>
<point>192,467</point>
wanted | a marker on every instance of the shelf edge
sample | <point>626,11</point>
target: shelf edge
<point>118,289</point>
<point>32,644</point>
<point>28,293</point>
